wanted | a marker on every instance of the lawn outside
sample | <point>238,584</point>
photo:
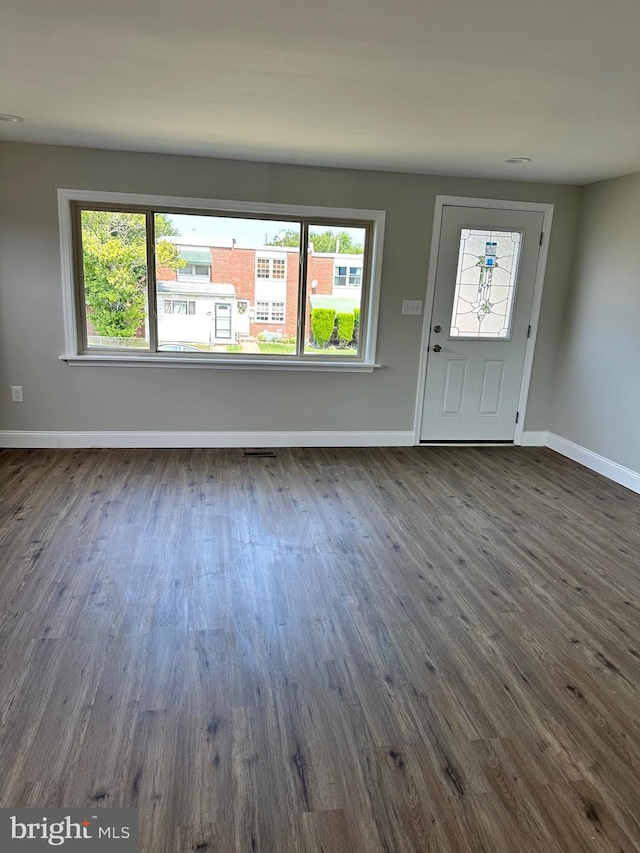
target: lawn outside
<point>247,347</point>
<point>273,348</point>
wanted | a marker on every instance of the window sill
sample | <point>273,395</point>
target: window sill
<point>220,363</point>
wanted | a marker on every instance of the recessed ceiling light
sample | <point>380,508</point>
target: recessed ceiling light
<point>518,160</point>
<point>9,117</point>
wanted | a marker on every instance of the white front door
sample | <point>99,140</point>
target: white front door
<point>243,308</point>
<point>485,278</point>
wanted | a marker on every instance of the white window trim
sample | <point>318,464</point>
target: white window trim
<point>270,303</point>
<point>358,273</point>
<point>173,299</point>
<point>260,302</point>
<point>270,257</point>
<point>348,267</point>
<point>195,278</point>
<point>336,275</point>
<point>365,364</point>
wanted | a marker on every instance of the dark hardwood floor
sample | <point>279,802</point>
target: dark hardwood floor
<point>332,651</point>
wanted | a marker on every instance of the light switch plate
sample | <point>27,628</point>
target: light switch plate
<point>412,306</point>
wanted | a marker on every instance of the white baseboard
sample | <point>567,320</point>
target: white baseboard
<point>600,464</point>
<point>368,438</point>
<point>534,439</point>
<point>36,439</point>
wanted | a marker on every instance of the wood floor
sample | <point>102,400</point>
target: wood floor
<point>332,651</point>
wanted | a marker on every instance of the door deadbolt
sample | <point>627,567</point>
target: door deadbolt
<point>437,329</point>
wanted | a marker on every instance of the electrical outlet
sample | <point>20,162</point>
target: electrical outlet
<point>16,394</point>
<point>412,306</point>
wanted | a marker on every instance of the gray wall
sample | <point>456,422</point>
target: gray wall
<point>597,395</point>
<point>60,397</point>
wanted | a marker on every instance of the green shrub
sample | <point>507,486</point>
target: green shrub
<point>356,325</point>
<point>346,323</point>
<point>322,323</point>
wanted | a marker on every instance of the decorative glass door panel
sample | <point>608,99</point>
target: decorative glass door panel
<point>485,285</point>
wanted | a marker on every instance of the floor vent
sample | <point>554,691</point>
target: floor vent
<point>259,452</point>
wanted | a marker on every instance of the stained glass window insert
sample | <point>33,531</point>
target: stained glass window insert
<point>486,281</point>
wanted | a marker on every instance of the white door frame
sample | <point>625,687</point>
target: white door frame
<point>461,201</point>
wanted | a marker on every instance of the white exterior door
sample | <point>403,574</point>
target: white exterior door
<point>243,308</point>
<point>485,278</point>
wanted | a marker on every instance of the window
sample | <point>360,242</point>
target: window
<point>179,306</point>
<point>138,275</point>
<point>194,262</point>
<point>355,275</point>
<point>273,268</point>
<point>334,313</point>
<point>344,275</point>
<point>340,277</point>
<point>270,312</point>
<point>191,270</point>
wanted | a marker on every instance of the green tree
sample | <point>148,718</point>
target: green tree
<point>325,242</point>
<point>322,323</point>
<point>114,253</point>
<point>346,323</point>
<point>356,325</point>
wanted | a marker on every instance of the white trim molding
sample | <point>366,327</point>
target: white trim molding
<point>33,439</point>
<point>371,296</point>
<point>443,201</point>
<point>532,438</point>
<point>63,439</point>
<point>338,366</point>
<point>614,471</point>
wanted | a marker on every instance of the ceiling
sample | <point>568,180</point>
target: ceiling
<point>437,86</point>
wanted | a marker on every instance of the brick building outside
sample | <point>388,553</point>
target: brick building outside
<point>227,293</point>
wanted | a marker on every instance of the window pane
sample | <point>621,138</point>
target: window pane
<point>486,281</point>
<point>237,264</point>
<point>334,290</point>
<point>114,259</point>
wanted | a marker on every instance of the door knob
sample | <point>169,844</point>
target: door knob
<point>436,348</point>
